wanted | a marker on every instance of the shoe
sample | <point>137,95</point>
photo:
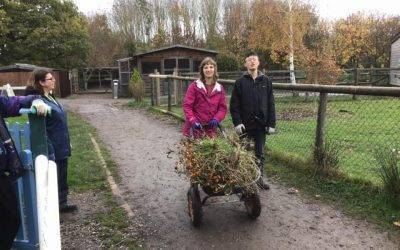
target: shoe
<point>262,183</point>
<point>66,208</point>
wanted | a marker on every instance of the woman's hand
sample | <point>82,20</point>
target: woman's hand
<point>41,107</point>
<point>214,122</point>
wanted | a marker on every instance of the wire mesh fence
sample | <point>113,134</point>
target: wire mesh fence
<point>354,127</point>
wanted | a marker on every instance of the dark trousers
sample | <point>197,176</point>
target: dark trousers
<point>9,213</point>
<point>258,136</point>
<point>62,167</point>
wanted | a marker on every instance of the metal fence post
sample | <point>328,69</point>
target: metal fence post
<point>320,131</point>
<point>169,82</point>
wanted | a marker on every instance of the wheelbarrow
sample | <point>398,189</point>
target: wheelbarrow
<point>197,199</point>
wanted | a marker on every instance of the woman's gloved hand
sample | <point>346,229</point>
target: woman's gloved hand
<point>40,107</point>
<point>214,122</point>
<point>197,125</point>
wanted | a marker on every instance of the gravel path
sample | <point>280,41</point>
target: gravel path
<point>144,147</point>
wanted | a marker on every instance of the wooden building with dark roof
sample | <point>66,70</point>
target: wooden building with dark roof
<point>163,60</point>
<point>21,75</point>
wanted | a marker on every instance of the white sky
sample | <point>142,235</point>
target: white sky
<point>328,9</point>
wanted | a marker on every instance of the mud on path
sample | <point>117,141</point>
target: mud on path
<point>141,145</point>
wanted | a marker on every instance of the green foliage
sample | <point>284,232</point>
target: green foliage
<point>389,171</point>
<point>228,62</point>
<point>136,86</point>
<point>48,33</point>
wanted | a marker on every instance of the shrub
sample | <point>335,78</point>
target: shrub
<point>389,171</point>
<point>136,86</point>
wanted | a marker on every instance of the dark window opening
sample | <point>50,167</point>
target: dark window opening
<point>169,63</point>
<point>196,66</point>
<point>149,67</point>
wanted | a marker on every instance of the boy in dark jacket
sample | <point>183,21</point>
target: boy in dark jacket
<point>252,108</point>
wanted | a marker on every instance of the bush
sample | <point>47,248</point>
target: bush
<point>389,171</point>
<point>136,86</point>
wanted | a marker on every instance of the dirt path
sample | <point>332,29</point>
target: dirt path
<point>139,143</point>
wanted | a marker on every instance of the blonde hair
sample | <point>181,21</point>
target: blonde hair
<point>206,61</point>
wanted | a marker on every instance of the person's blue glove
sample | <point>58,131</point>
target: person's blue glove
<point>197,125</point>
<point>213,123</point>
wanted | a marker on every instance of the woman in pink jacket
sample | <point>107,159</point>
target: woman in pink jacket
<point>205,102</point>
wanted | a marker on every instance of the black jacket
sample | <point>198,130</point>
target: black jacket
<point>252,102</point>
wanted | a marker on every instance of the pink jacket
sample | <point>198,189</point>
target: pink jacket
<point>199,107</point>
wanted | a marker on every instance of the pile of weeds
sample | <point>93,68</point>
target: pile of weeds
<point>222,164</point>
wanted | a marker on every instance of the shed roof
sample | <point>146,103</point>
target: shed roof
<point>176,46</point>
<point>21,67</point>
<point>396,37</point>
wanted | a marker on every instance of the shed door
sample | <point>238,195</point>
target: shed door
<point>65,84</point>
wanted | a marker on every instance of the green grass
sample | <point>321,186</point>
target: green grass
<point>356,198</point>
<point>86,173</point>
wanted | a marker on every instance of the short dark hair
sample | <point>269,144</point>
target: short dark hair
<point>251,53</point>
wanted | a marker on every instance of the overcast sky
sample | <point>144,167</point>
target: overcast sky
<point>328,9</point>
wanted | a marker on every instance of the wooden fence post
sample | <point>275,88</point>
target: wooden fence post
<point>169,82</point>
<point>356,81</point>
<point>152,81</point>
<point>320,131</point>
<point>175,87</point>
<point>157,89</point>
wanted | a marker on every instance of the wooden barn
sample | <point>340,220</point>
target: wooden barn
<point>164,60</point>
<point>395,61</point>
<point>20,75</point>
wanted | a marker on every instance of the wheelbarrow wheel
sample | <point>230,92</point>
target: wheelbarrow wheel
<point>252,203</point>
<point>194,206</point>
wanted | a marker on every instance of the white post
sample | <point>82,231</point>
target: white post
<point>291,52</point>
<point>47,204</point>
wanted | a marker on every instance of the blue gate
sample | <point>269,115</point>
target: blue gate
<point>27,237</point>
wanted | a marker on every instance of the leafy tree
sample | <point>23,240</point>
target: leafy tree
<point>317,56</point>
<point>45,32</point>
<point>351,40</point>
<point>382,31</point>
<point>136,86</point>
<point>106,45</point>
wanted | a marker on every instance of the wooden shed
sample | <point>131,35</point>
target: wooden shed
<point>20,75</point>
<point>395,61</point>
<point>164,60</point>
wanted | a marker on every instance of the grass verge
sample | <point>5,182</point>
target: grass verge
<point>362,200</point>
<point>86,173</point>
